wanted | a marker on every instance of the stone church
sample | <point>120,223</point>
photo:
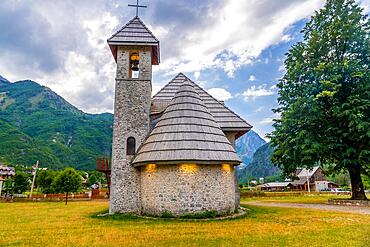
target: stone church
<point>173,152</point>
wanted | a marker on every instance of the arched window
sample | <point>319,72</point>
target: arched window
<point>134,65</point>
<point>131,146</point>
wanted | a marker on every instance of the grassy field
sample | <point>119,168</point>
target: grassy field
<point>54,224</point>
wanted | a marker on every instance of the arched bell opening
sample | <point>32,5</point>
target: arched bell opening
<point>134,65</point>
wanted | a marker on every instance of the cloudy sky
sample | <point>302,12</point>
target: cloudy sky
<point>233,48</point>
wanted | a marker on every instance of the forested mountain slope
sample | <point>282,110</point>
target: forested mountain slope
<point>38,124</point>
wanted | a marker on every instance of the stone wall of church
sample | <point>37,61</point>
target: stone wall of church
<point>131,119</point>
<point>187,188</point>
<point>231,137</point>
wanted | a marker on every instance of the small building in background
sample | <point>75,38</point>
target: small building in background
<point>6,171</point>
<point>314,178</point>
<point>276,186</point>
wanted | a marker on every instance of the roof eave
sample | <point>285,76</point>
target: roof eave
<point>177,162</point>
<point>132,43</point>
<point>239,131</point>
<point>113,46</point>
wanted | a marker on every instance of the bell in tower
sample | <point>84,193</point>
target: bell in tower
<point>134,65</point>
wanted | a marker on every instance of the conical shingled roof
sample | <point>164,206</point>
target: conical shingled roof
<point>186,132</point>
<point>134,33</point>
<point>226,118</point>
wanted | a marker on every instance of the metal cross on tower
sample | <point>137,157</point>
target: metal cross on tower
<point>137,6</point>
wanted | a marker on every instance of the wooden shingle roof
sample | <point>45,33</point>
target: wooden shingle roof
<point>227,119</point>
<point>186,132</point>
<point>135,33</point>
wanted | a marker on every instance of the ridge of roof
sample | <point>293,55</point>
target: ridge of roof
<point>220,103</point>
<point>135,32</point>
<point>168,83</point>
<point>308,172</point>
<point>227,118</point>
<point>173,139</point>
<point>136,18</point>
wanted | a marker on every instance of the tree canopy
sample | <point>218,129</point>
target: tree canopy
<point>69,180</point>
<point>324,96</point>
<point>44,180</point>
<point>21,182</point>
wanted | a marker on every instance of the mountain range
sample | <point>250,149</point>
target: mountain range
<point>260,165</point>
<point>38,124</point>
<point>247,145</point>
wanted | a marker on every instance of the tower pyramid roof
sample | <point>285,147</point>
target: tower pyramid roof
<point>226,118</point>
<point>186,132</point>
<point>134,33</point>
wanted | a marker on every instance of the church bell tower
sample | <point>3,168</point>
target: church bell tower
<point>135,49</point>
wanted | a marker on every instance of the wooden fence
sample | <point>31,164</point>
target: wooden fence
<point>82,196</point>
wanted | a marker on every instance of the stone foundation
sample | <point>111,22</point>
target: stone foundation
<point>187,188</point>
<point>346,202</point>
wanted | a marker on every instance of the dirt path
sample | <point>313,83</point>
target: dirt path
<point>347,209</point>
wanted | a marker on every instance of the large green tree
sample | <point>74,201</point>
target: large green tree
<point>69,180</point>
<point>22,182</point>
<point>324,96</point>
<point>45,179</point>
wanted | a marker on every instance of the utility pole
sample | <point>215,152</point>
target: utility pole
<point>34,177</point>
<point>308,182</point>
<point>1,185</point>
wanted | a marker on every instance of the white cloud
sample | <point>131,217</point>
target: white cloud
<point>256,91</point>
<point>259,109</point>
<point>273,87</point>
<point>269,120</point>
<point>365,4</point>
<point>155,89</point>
<point>286,38</point>
<point>241,31</point>
<point>266,121</point>
<point>282,69</point>
<point>214,35</point>
<point>220,93</point>
<point>252,78</point>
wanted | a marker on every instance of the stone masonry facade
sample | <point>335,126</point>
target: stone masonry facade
<point>154,189</point>
<point>231,137</point>
<point>187,188</point>
<point>131,119</point>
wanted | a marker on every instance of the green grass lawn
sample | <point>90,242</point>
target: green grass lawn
<point>54,224</point>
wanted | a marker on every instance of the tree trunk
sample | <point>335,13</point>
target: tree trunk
<point>66,197</point>
<point>358,192</point>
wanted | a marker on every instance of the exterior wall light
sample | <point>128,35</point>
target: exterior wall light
<point>151,168</point>
<point>226,168</point>
<point>188,168</point>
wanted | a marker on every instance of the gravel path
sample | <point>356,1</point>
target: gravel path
<point>338,208</point>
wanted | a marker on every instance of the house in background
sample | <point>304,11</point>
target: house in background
<point>6,172</point>
<point>314,178</point>
<point>276,186</point>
